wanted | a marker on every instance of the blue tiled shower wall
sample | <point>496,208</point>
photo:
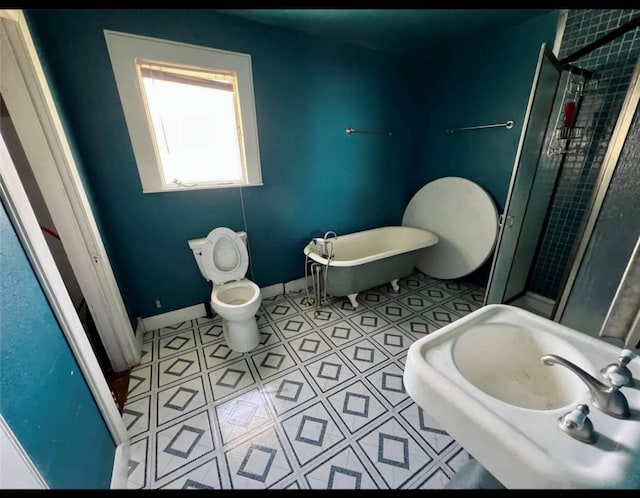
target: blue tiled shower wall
<point>612,65</point>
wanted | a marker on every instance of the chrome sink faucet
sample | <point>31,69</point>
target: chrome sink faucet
<point>609,399</point>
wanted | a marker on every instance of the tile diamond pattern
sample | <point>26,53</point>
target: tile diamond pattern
<point>329,371</point>
<point>137,470</point>
<point>136,416</point>
<point>428,428</point>
<point>205,476</point>
<point>356,406</point>
<point>182,443</point>
<point>180,342</point>
<point>394,453</point>
<point>341,333</point>
<point>344,470</point>
<point>311,432</point>
<point>210,332</point>
<point>242,415</point>
<point>319,403</point>
<point>271,361</point>
<point>309,346</point>
<point>292,326</point>
<point>258,463</point>
<point>289,391</point>
<point>364,355</point>
<point>180,400</point>
<point>179,367</point>
<point>230,379</point>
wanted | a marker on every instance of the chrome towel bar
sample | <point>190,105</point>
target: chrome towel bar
<point>350,131</point>
<point>508,125</point>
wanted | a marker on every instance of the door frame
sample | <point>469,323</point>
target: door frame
<point>19,209</point>
<point>17,471</point>
<point>38,125</point>
<point>545,51</point>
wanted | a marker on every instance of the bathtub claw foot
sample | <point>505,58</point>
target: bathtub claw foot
<point>352,298</point>
<point>394,285</point>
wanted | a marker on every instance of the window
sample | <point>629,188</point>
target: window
<point>190,113</point>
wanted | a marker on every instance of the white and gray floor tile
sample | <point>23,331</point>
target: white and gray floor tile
<point>318,404</point>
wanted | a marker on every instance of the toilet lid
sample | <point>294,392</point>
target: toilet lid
<point>224,256</point>
<point>464,217</point>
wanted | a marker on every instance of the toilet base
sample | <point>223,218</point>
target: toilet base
<point>241,336</point>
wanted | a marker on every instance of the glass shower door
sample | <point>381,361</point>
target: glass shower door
<point>527,203</point>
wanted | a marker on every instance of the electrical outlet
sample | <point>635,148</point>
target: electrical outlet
<point>158,303</point>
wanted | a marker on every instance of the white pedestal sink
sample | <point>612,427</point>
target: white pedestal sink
<point>482,379</point>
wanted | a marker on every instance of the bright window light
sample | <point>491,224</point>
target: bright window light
<point>190,112</point>
<point>195,127</point>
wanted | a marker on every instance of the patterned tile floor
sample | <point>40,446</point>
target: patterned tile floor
<point>320,403</point>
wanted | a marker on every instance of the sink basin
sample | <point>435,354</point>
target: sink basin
<point>503,360</point>
<point>482,380</point>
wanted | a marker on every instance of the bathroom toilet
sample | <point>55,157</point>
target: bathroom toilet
<point>223,259</point>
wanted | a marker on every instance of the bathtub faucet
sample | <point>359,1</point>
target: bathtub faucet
<point>328,236</point>
<point>322,242</point>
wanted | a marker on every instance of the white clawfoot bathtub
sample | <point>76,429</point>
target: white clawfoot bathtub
<point>359,261</point>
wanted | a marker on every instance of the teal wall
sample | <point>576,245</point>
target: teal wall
<point>316,178</point>
<point>477,82</point>
<point>43,395</point>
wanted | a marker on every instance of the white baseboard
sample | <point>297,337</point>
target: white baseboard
<point>198,310</point>
<point>295,285</point>
<point>120,466</point>
<point>272,290</point>
<point>139,338</point>
<point>172,317</point>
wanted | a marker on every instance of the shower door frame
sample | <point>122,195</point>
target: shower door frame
<point>609,163</point>
<point>506,221</point>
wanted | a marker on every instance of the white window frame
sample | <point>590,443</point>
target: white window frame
<point>125,48</point>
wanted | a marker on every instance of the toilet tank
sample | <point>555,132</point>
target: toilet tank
<point>197,244</point>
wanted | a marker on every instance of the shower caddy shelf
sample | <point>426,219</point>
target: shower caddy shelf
<point>566,137</point>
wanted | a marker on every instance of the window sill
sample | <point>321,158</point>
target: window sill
<point>172,188</point>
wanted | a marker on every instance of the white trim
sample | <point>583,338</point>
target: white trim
<point>16,468</point>
<point>140,331</point>
<point>172,317</point>
<point>562,24</point>
<point>295,285</point>
<point>124,49</point>
<point>198,310</point>
<point>28,230</point>
<point>34,115</point>
<point>272,290</point>
<point>12,14</point>
<point>121,467</point>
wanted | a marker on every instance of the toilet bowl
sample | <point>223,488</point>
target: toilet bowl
<point>223,259</point>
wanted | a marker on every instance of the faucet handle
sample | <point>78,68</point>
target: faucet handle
<point>626,355</point>
<point>618,374</point>
<point>576,418</point>
<point>577,424</point>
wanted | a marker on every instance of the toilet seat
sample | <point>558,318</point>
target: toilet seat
<point>224,256</point>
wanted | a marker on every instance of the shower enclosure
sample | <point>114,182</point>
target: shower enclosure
<point>557,176</point>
